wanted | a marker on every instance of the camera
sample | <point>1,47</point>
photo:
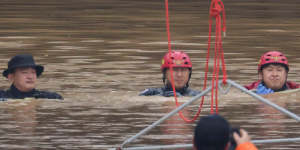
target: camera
<point>231,139</point>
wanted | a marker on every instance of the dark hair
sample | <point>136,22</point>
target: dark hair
<point>211,133</point>
<point>275,64</point>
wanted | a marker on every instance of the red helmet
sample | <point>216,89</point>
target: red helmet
<point>273,57</point>
<point>177,59</point>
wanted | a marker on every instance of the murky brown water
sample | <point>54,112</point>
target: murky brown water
<point>99,54</point>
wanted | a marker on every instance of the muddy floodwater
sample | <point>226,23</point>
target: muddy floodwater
<point>99,54</point>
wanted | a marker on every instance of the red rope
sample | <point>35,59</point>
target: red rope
<point>169,46</point>
<point>171,68</point>
<point>216,8</point>
<point>168,27</point>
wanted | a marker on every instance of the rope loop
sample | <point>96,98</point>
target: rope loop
<point>224,88</point>
<point>216,11</point>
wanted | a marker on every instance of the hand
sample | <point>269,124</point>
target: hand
<point>171,93</point>
<point>243,138</point>
<point>261,89</point>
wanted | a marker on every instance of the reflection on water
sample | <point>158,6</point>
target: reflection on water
<point>100,54</point>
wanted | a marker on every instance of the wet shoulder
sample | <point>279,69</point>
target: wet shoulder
<point>191,92</point>
<point>292,85</point>
<point>252,85</point>
<point>151,92</point>
<point>47,95</point>
<point>2,95</point>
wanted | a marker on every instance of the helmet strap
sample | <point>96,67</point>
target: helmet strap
<point>190,75</point>
<point>164,77</point>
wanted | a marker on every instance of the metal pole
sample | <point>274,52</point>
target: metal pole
<point>179,146</point>
<point>166,117</point>
<point>190,146</point>
<point>202,94</point>
<point>276,140</point>
<point>294,116</point>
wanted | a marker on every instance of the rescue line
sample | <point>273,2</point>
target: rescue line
<point>216,11</point>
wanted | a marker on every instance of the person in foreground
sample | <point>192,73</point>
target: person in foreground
<point>213,132</point>
<point>22,72</point>
<point>273,71</point>
<point>182,72</point>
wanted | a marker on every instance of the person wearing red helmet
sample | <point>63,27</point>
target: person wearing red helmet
<point>182,71</point>
<point>273,70</point>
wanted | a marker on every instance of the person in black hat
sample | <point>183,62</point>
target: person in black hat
<point>22,72</point>
<point>213,133</point>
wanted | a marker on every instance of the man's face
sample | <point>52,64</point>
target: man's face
<point>274,76</point>
<point>181,76</point>
<point>24,79</point>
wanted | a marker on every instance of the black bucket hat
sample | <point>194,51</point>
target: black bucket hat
<point>20,61</point>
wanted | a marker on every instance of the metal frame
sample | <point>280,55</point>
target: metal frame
<point>230,84</point>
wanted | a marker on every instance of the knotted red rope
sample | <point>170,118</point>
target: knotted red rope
<point>216,8</point>
<point>215,11</point>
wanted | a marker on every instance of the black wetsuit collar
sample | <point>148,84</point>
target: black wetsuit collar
<point>168,87</point>
<point>16,93</point>
<point>283,88</point>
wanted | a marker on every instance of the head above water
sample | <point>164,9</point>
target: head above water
<point>182,68</point>
<point>22,72</point>
<point>22,61</point>
<point>211,132</point>
<point>273,69</point>
<point>176,59</point>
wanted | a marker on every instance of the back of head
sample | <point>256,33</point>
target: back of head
<point>211,133</point>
